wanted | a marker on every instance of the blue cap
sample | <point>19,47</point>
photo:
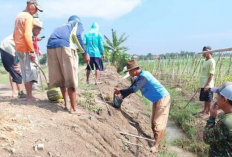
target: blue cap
<point>74,18</point>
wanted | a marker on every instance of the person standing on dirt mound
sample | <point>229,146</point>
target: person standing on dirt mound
<point>24,46</point>
<point>63,59</point>
<point>10,63</point>
<point>38,25</point>
<point>219,135</point>
<point>154,91</point>
<point>94,45</point>
<point>207,81</point>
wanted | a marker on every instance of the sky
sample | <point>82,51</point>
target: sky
<point>153,26</point>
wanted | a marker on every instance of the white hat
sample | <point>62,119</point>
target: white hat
<point>225,90</point>
<point>37,22</point>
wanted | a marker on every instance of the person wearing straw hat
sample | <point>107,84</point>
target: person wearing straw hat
<point>219,135</point>
<point>154,91</point>
<point>38,25</point>
<point>24,46</point>
<point>207,81</point>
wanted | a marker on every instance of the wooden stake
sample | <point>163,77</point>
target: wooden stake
<point>125,133</point>
<point>133,143</point>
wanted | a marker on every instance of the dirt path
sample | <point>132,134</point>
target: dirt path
<point>24,126</point>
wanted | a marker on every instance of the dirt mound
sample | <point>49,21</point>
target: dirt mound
<point>46,129</point>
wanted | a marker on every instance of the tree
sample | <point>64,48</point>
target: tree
<point>44,59</point>
<point>115,46</point>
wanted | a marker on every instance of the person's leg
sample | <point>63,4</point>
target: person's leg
<point>97,75</point>
<point>28,87</point>
<point>87,76</point>
<point>160,114</point>
<point>207,106</point>
<point>88,69</point>
<point>99,67</point>
<point>64,92</point>
<point>14,87</point>
<point>72,97</point>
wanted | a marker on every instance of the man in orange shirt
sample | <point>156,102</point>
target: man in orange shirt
<point>24,46</point>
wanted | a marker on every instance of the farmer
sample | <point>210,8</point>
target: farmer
<point>153,91</point>
<point>24,46</point>
<point>207,81</point>
<point>9,60</point>
<point>38,24</point>
<point>219,135</point>
<point>63,59</point>
<point>94,45</point>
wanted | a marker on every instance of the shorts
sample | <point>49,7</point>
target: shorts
<point>9,61</point>
<point>97,62</point>
<point>206,96</point>
<point>29,69</point>
<point>63,67</point>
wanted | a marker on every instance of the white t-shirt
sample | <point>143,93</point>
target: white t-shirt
<point>8,45</point>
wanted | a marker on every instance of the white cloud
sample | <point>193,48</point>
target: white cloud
<point>219,35</point>
<point>107,9</point>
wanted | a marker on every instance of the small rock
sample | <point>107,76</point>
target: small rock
<point>12,150</point>
<point>40,146</point>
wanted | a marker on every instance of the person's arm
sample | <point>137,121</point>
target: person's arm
<point>134,87</point>
<point>213,134</point>
<point>28,34</point>
<point>100,42</point>
<point>211,71</point>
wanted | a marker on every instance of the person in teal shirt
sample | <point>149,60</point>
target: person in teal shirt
<point>94,46</point>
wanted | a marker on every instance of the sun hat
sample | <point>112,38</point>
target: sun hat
<point>132,64</point>
<point>36,3</point>
<point>37,22</point>
<point>225,90</point>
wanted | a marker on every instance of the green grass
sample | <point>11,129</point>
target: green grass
<point>4,75</point>
<point>183,116</point>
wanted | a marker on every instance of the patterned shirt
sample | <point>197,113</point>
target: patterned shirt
<point>219,136</point>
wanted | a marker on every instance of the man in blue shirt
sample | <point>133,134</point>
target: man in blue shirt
<point>94,45</point>
<point>153,91</point>
<point>63,59</point>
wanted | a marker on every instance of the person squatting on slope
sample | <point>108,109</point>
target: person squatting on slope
<point>24,46</point>
<point>10,63</point>
<point>94,45</point>
<point>63,59</point>
<point>207,81</point>
<point>154,91</point>
<point>219,135</point>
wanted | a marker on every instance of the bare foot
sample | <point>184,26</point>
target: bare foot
<point>78,112</point>
<point>154,149</point>
<point>98,83</point>
<point>204,116</point>
<point>32,99</point>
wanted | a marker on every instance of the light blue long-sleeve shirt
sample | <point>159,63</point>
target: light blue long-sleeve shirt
<point>94,42</point>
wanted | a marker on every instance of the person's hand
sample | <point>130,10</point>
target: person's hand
<point>206,88</point>
<point>213,110</point>
<point>103,57</point>
<point>132,78</point>
<point>86,58</point>
<point>17,68</point>
<point>116,91</point>
<point>40,54</point>
<point>32,56</point>
<point>39,38</point>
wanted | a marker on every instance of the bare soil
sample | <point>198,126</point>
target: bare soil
<point>24,125</point>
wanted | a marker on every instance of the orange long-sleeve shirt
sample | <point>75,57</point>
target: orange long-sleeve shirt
<point>23,32</point>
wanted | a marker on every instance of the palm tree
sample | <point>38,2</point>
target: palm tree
<point>114,46</point>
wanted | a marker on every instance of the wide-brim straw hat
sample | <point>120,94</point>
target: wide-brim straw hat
<point>132,64</point>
